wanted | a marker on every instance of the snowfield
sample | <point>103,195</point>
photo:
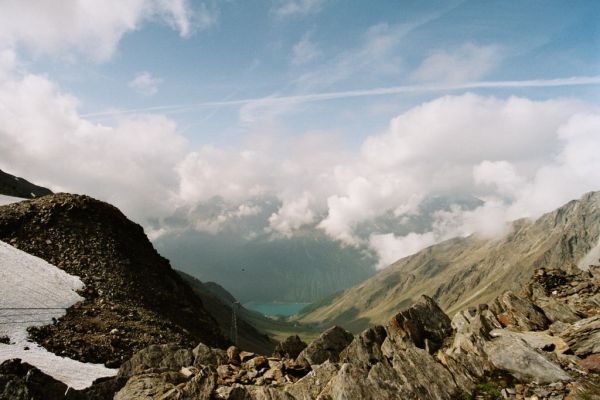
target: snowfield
<point>32,292</point>
<point>9,199</point>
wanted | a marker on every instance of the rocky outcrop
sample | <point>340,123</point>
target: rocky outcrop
<point>169,356</point>
<point>583,337</point>
<point>133,298</point>
<point>327,346</point>
<point>291,347</point>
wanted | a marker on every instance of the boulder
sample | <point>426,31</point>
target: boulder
<point>291,347</point>
<point>233,355</point>
<point>327,346</point>
<point>519,313</point>
<point>365,349</point>
<point>424,324</point>
<point>204,355</point>
<point>22,381</point>
<point>309,387</point>
<point>583,337</point>
<point>515,356</point>
<point>169,356</point>
<point>149,386</point>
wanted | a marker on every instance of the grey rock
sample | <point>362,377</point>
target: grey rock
<point>327,346</point>
<point>291,347</point>
<point>519,312</point>
<point>583,337</point>
<point>424,324</point>
<point>365,349</point>
<point>169,356</point>
<point>556,310</point>
<point>150,385</point>
<point>515,356</point>
<point>309,386</point>
<point>204,355</point>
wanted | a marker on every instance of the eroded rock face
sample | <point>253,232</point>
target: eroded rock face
<point>519,312</point>
<point>424,324</point>
<point>583,337</point>
<point>328,346</point>
<point>291,347</point>
<point>365,349</point>
<point>169,356</point>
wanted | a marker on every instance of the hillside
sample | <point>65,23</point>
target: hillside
<point>133,298</point>
<point>14,186</point>
<point>467,271</point>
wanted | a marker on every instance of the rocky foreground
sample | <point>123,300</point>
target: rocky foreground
<point>542,343</point>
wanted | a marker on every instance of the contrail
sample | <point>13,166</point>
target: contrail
<point>380,91</point>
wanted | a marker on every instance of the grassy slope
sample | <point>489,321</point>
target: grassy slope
<point>467,271</point>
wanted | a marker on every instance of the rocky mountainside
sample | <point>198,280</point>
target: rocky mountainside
<point>219,303</point>
<point>14,186</point>
<point>133,298</point>
<point>542,343</point>
<point>467,271</point>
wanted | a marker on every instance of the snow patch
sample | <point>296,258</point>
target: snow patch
<point>33,293</point>
<point>9,199</point>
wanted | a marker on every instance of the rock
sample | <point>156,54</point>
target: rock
<point>326,347</point>
<point>309,387</point>
<point>246,355</point>
<point>591,363</point>
<point>352,382</point>
<point>423,324</point>
<point>365,349</point>
<point>556,310</point>
<point>204,355</point>
<point>583,337</point>
<point>519,312</point>
<point>536,340</point>
<point>258,362</point>
<point>291,347</point>
<point>22,381</point>
<point>267,393</point>
<point>150,385</point>
<point>233,355</point>
<point>515,356</point>
<point>169,356</point>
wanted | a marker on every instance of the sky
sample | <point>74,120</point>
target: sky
<point>340,111</point>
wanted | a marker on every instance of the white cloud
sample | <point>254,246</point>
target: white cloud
<point>292,215</point>
<point>87,27</point>
<point>145,83</point>
<point>391,248</point>
<point>467,63</point>
<point>288,8</point>
<point>305,51</point>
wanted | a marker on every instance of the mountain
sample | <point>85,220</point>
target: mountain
<point>133,298</point>
<point>300,269</point>
<point>14,186</point>
<point>219,302</point>
<point>470,270</point>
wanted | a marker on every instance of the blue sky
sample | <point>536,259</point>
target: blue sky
<point>335,113</point>
<point>248,52</point>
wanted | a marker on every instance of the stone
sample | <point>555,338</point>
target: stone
<point>151,385</point>
<point>258,362</point>
<point>536,340</point>
<point>204,355</point>
<point>591,363</point>
<point>309,386</point>
<point>519,313</point>
<point>424,324</point>
<point>246,355</point>
<point>291,347</point>
<point>515,356</point>
<point>22,381</point>
<point>233,355</point>
<point>583,336</point>
<point>365,349</point>
<point>327,346</point>
<point>169,356</point>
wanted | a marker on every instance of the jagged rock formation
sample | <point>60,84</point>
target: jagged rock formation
<point>484,352</point>
<point>14,186</point>
<point>133,298</point>
<point>463,272</point>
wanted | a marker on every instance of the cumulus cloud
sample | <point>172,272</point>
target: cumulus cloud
<point>292,215</point>
<point>390,247</point>
<point>467,63</point>
<point>90,28</point>
<point>145,83</point>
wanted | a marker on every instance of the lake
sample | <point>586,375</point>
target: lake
<point>270,309</point>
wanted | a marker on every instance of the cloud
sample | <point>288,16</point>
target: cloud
<point>466,63</point>
<point>292,215</point>
<point>289,8</point>
<point>90,28</point>
<point>145,83</point>
<point>391,248</point>
<point>304,51</point>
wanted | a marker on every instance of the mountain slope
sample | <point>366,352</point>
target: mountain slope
<point>11,185</point>
<point>133,298</point>
<point>467,271</point>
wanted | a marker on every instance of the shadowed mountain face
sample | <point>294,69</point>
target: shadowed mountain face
<point>133,298</point>
<point>14,186</point>
<point>467,271</point>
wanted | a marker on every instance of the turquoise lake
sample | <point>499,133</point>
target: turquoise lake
<point>270,309</point>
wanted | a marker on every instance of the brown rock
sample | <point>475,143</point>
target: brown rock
<point>233,355</point>
<point>591,363</point>
<point>291,347</point>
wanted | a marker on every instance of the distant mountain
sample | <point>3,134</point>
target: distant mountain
<point>255,265</point>
<point>471,270</point>
<point>133,298</point>
<point>14,186</point>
